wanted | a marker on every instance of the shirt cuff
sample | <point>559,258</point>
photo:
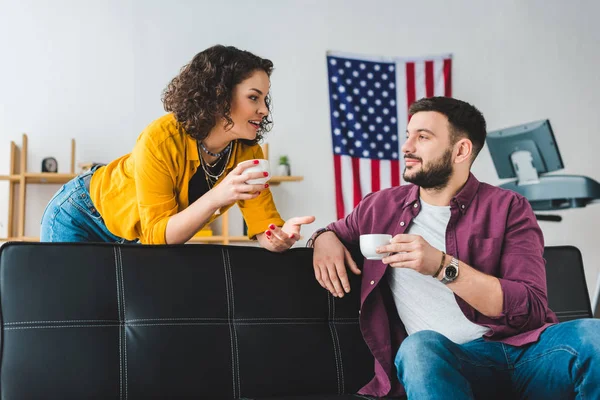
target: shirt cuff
<point>515,298</point>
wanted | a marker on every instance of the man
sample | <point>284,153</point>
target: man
<point>457,309</point>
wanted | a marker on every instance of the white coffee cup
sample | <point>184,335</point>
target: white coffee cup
<point>262,166</point>
<point>370,243</point>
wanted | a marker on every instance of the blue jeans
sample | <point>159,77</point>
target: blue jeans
<point>563,364</point>
<point>71,216</point>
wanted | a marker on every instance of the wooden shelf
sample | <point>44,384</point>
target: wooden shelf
<point>10,178</point>
<point>20,239</point>
<point>276,180</point>
<point>18,175</point>
<point>48,177</point>
<point>42,177</point>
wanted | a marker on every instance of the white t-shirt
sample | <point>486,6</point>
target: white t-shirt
<point>423,302</point>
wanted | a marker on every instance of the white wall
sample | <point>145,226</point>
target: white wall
<point>95,71</point>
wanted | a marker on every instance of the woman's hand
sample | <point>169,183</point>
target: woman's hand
<point>234,187</point>
<point>280,239</point>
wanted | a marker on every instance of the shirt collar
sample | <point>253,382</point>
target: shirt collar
<point>462,199</point>
<point>192,146</point>
<point>466,195</point>
<point>413,196</point>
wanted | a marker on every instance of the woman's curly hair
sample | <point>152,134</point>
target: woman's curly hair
<point>201,94</point>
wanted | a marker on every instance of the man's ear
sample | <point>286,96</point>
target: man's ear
<point>464,150</point>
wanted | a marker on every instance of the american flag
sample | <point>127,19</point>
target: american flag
<point>369,100</point>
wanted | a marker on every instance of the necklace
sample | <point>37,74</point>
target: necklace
<point>210,153</point>
<point>212,178</point>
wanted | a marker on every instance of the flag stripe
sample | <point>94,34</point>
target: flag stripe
<point>448,77</point>
<point>420,80</point>
<point>429,86</point>
<point>395,166</point>
<point>375,175</point>
<point>385,173</point>
<point>438,77</point>
<point>339,197</point>
<point>347,184</point>
<point>356,180</point>
<point>411,94</point>
<point>365,176</point>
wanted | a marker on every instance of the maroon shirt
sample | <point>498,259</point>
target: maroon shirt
<point>491,229</point>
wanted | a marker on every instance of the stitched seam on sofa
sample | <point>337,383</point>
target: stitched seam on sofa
<point>337,339</point>
<point>329,314</point>
<point>183,324</point>
<point>60,321</point>
<point>301,318</point>
<point>124,304</point>
<point>229,322</point>
<point>176,319</point>
<point>238,320</point>
<point>235,343</point>
<point>296,323</point>
<point>175,323</point>
<point>218,323</point>
<point>120,327</point>
<point>16,328</point>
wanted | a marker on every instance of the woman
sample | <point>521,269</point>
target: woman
<point>187,167</point>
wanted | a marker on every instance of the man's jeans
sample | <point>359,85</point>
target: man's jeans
<point>563,364</point>
<point>71,216</point>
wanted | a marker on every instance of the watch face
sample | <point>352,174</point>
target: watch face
<point>451,272</point>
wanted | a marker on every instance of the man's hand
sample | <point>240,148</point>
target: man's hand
<point>411,251</point>
<point>329,261</point>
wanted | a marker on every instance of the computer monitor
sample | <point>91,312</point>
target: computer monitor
<point>535,138</point>
<point>529,152</point>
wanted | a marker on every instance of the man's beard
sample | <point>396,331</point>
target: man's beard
<point>434,175</point>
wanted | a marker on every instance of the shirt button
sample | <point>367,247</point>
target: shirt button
<point>463,206</point>
<point>416,205</point>
<point>402,223</point>
<point>372,282</point>
<point>358,312</point>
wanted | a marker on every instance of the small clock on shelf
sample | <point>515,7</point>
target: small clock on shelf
<point>49,164</point>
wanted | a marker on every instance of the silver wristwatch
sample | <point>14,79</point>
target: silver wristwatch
<point>450,272</point>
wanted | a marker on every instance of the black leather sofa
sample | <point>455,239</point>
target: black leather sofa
<point>83,321</point>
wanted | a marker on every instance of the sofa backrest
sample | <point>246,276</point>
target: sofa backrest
<point>203,321</point>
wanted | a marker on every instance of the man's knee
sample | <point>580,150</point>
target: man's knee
<point>587,332</point>
<point>422,348</point>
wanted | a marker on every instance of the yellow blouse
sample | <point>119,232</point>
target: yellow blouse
<point>137,193</point>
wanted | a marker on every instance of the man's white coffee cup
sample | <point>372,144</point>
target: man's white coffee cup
<point>262,166</point>
<point>370,243</point>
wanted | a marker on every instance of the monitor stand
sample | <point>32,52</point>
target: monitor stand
<point>551,192</point>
